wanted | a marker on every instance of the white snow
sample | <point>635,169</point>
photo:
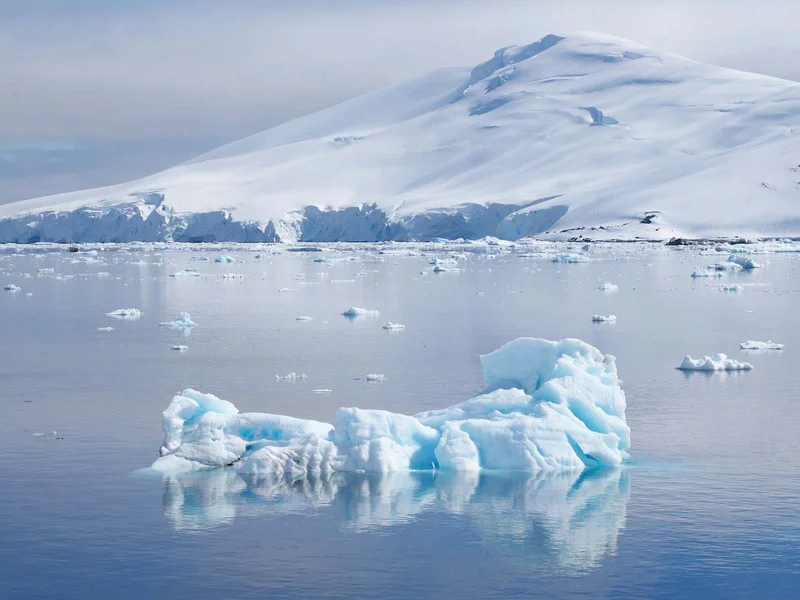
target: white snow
<point>718,362</point>
<point>604,319</point>
<point>355,311</point>
<point>184,321</point>
<point>607,287</point>
<point>394,326</point>
<point>753,345</point>
<point>582,135</point>
<point>547,406</point>
<point>12,288</point>
<point>129,314</point>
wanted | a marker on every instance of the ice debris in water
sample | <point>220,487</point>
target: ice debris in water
<point>607,287</point>
<point>12,288</point>
<point>290,376</point>
<point>184,321</point>
<point>180,348</point>
<point>375,377</point>
<point>705,273</point>
<point>224,259</point>
<point>322,391</point>
<point>187,274</point>
<point>734,287</point>
<point>130,314</point>
<point>105,329</point>
<point>232,276</point>
<point>547,406</point>
<point>354,311</point>
<point>570,258</point>
<point>743,262</point>
<point>604,318</point>
<point>45,271</point>
<point>394,326</point>
<point>303,318</point>
<point>752,345</point>
<point>718,362</point>
<point>285,290</point>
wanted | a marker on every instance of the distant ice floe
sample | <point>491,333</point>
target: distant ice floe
<point>607,287</point>
<point>743,262</point>
<point>604,318</point>
<point>12,288</point>
<point>570,258</point>
<point>187,274</point>
<point>734,287</point>
<point>184,321</point>
<point>180,348</point>
<point>224,259</point>
<point>303,318</point>
<point>718,362</point>
<point>752,345</point>
<point>355,311</point>
<point>322,391</point>
<point>705,273</point>
<point>285,290</point>
<point>548,406</point>
<point>45,271</point>
<point>394,326</point>
<point>290,377</point>
<point>105,329</point>
<point>128,314</point>
<point>375,377</point>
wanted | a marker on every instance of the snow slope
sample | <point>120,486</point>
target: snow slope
<point>553,139</point>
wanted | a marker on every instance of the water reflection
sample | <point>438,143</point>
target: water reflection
<point>570,521</point>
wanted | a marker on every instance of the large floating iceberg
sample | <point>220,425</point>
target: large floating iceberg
<point>718,362</point>
<point>547,406</point>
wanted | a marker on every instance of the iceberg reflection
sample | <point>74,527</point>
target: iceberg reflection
<point>570,520</point>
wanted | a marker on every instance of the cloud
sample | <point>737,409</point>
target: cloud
<point>208,72</point>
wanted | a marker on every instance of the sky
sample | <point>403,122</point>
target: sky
<point>95,92</point>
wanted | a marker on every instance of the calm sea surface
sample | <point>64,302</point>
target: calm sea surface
<point>709,506</point>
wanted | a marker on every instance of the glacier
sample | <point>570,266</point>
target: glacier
<point>547,406</point>
<point>580,136</point>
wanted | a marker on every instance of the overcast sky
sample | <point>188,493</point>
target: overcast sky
<point>94,92</point>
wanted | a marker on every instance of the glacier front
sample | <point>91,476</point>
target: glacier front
<point>547,406</point>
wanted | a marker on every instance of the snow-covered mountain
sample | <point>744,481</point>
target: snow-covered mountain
<point>585,135</point>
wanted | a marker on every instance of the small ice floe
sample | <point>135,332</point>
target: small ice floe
<point>394,326</point>
<point>290,377</point>
<point>441,269</point>
<point>45,271</point>
<point>199,258</point>
<point>105,329</point>
<point>29,294</point>
<point>224,259</point>
<point>375,377</point>
<point>322,391</point>
<point>232,276</point>
<point>303,318</point>
<point>604,319</point>
<point>753,345</point>
<point>285,290</point>
<point>743,262</point>
<point>180,348</point>
<point>718,362</point>
<point>607,287</point>
<point>187,274</point>
<point>184,321</point>
<point>12,288</point>
<point>355,311</point>
<point>38,434</point>
<point>723,267</point>
<point>570,258</point>
<point>443,261</point>
<point>129,314</point>
<point>705,273</point>
<point>734,287</point>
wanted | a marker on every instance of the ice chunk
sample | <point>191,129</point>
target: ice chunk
<point>354,311</point>
<point>607,287</point>
<point>285,290</point>
<point>718,362</point>
<point>604,319</point>
<point>224,259</point>
<point>734,287</point>
<point>704,273</point>
<point>752,345</point>
<point>743,261</point>
<point>232,276</point>
<point>290,376</point>
<point>394,326</point>
<point>303,318</point>
<point>12,288</point>
<point>187,274</point>
<point>184,321</point>
<point>105,329</point>
<point>322,391</point>
<point>180,348</point>
<point>548,406</point>
<point>570,258</point>
<point>45,271</point>
<point>128,314</point>
<point>375,377</point>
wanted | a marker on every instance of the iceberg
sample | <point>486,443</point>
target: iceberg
<point>184,321</point>
<point>752,345</point>
<point>547,406</point>
<point>180,348</point>
<point>734,287</point>
<point>290,376</point>
<point>705,273</point>
<point>128,314</point>
<point>604,319</point>
<point>743,262</point>
<point>187,274</point>
<point>354,311</point>
<point>570,258</point>
<point>394,326</point>
<point>12,288</point>
<point>224,259</point>
<point>105,329</point>
<point>607,287</point>
<point>718,362</point>
<point>375,377</point>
